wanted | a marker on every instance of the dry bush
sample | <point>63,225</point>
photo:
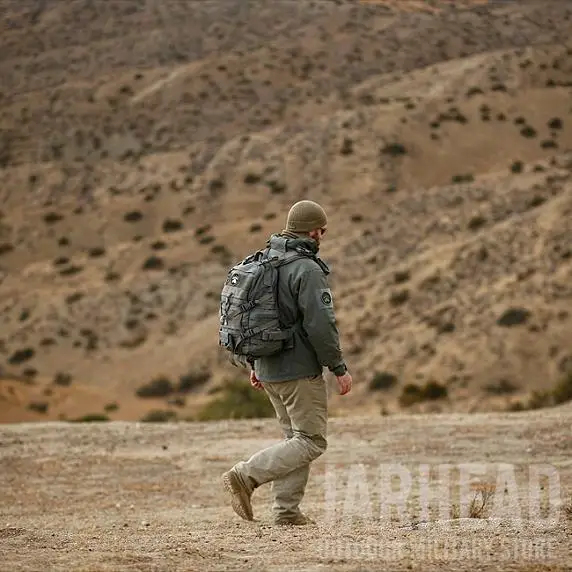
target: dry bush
<point>484,495</point>
<point>568,509</point>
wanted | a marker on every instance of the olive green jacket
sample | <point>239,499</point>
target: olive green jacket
<point>305,300</point>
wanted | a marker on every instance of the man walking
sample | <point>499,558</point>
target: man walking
<point>293,378</point>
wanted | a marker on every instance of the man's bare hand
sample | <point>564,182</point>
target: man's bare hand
<point>345,383</point>
<point>254,381</point>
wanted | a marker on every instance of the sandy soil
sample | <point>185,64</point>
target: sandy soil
<point>145,147</point>
<point>130,496</point>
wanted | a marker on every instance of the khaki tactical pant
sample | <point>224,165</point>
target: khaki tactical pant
<point>302,410</point>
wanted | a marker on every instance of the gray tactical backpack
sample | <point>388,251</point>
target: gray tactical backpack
<point>250,322</point>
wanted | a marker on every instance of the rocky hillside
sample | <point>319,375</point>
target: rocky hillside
<point>145,147</point>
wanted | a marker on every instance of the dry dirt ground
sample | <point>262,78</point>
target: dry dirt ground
<point>145,146</point>
<point>146,497</point>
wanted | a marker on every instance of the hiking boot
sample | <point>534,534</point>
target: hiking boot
<point>239,495</point>
<point>298,520</point>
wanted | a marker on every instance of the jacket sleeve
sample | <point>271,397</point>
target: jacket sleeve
<point>315,303</point>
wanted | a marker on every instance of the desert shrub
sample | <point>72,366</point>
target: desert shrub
<point>75,297</point>
<point>133,216</point>
<point>172,225</point>
<point>71,270</point>
<point>382,380</point>
<point>399,297</point>
<point>528,132</point>
<point>237,400</point>
<point>60,260</point>
<point>276,187</point>
<point>562,392</point>
<point>189,208</point>
<point>500,387</point>
<point>401,276</point>
<point>517,167</point>
<point>394,149</point>
<point>158,245</point>
<point>202,230</point>
<point>482,501</point>
<point>555,123</point>
<point>466,178</point>
<point>567,507</point>
<point>96,252</point>
<point>474,91</point>
<point>6,248</point>
<point>452,115</point>
<point>111,407</point>
<point>549,144</point>
<point>131,323</point>
<point>477,221</point>
<point>255,227</point>
<point>251,178</point>
<point>158,416</point>
<point>30,373</point>
<point>191,380</point>
<point>38,406</point>
<point>536,201</point>
<point>216,185</point>
<point>434,390</point>
<point>347,147</point>
<point>412,393</point>
<point>62,379</point>
<point>158,387</point>
<point>208,239</point>
<point>91,418</point>
<point>51,218</point>
<point>221,249</point>
<point>538,400</point>
<point>513,317</point>
<point>21,356</point>
<point>154,263</point>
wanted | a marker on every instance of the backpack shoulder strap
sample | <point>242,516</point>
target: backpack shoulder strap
<point>256,256</point>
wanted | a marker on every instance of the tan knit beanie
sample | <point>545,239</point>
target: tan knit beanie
<point>306,216</point>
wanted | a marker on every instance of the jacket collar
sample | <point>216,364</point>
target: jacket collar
<point>290,241</point>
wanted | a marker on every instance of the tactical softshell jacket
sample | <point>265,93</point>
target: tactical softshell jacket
<point>305,299</point>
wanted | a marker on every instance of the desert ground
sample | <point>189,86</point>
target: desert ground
<point>124,496</point>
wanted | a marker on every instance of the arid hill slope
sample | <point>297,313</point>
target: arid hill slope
<point>145,147</point>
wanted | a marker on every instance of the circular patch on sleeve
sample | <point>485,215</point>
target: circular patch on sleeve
<point>326,298</point>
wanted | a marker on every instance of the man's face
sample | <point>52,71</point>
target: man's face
<point>318,234</point>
